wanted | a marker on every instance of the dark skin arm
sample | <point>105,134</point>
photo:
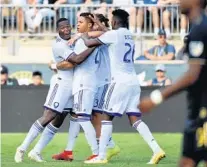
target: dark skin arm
<point>79,58</point>
<point>64,65</point>
<point>90,42</point>
<point>185,81</point>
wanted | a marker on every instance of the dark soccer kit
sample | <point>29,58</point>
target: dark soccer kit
<point>195,133</point>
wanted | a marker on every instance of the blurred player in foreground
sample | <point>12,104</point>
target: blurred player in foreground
<point>59,95</point>
<point>195,82</point>
<point>124,89</point>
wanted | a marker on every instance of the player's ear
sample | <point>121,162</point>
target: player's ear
<point>90,25</point>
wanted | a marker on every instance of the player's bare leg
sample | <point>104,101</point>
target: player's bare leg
<point>112,148</point>
<point>96,121</point>
<point>187,162</point>
<point>106,133</point>
<point>34,131</point>
<point>144,131</point>
<point>47,135</point>
<point>74,129</point>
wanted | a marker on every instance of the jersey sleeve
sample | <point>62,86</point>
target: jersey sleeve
<point>61,51</point>
<point>80,46</point>
<point>108,37</point>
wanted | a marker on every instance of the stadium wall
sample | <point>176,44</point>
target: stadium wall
<point>21,106</point>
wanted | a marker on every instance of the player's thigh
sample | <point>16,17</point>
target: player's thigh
<point>99,98</point>
<point>57,97</point>
<point>83,102</point>
<point>132,109</point>
<point>116,99</point>
<point>69,104</point>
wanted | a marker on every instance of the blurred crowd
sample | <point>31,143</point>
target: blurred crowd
<point>161,16</point>
<point>35,80</point>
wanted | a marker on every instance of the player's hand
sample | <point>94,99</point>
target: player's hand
<point>146,105</point>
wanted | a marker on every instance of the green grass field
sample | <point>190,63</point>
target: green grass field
<point>134,151</point>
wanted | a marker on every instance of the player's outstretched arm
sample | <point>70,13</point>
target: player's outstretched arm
<point>79,58</point>
<point>91,42</point>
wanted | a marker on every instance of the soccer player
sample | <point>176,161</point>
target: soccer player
<point>103,79</point>
<point>195,82</point>
<point>124,89</point>
<point>59,95</point>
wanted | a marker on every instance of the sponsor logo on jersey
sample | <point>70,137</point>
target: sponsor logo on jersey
<point>196,48</point>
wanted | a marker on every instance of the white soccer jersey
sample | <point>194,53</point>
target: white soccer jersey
<point>61,51</point>
<point>85,73</point>
<point>121,53</point>
<point>103,73</point>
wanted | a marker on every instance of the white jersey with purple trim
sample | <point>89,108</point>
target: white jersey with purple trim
<point>103,73</point>
<point>121,54</point>
<point>85,73</point>
<point>61,51</point>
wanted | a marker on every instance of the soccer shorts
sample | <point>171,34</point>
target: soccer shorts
<point>83,102</point>
<point>99,98</point>
<point>195,138</point>
<point>59,97</point>
<point>121,98</point>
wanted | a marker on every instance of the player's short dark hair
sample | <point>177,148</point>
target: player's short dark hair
<point>37,73</point>
<point>103,19</point>
<point>86,16</point>
<point>203,3</point>
<point>123,17</point>
<point>60,20</point>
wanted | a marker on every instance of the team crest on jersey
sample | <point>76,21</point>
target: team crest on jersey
<point>56,104</point>
<point>196,48</point>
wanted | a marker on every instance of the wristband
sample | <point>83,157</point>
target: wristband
<point>156,97</point>
<point>54,66</point>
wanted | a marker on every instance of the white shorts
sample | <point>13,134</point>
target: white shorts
<point>121,98</point>
<point>59,97</point>
<point>99,98</point>
<point>83,102</point>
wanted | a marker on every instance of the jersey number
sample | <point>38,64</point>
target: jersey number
<point>129,55</point>
<point>201,136</point>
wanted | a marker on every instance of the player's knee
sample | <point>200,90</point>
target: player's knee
<point>133,119</point>
<point>58,120</point>
<point>47,117</point>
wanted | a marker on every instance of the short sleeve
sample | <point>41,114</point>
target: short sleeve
<point>108,37</point>
<point>80,46</point>
<point>61,51</point>
<point>171,49</point>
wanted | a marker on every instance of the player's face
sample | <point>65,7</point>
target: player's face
<point>160,74</point>
<point>83,25</point>
<point>64,30</point>
<point>37,80</point>
<point>185,6</point>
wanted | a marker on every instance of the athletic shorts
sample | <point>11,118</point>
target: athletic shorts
<point>83,102</point>
<point>59,97</point>
<point>121,98</point>
<point>99,98</point>
<point>195,139</point>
